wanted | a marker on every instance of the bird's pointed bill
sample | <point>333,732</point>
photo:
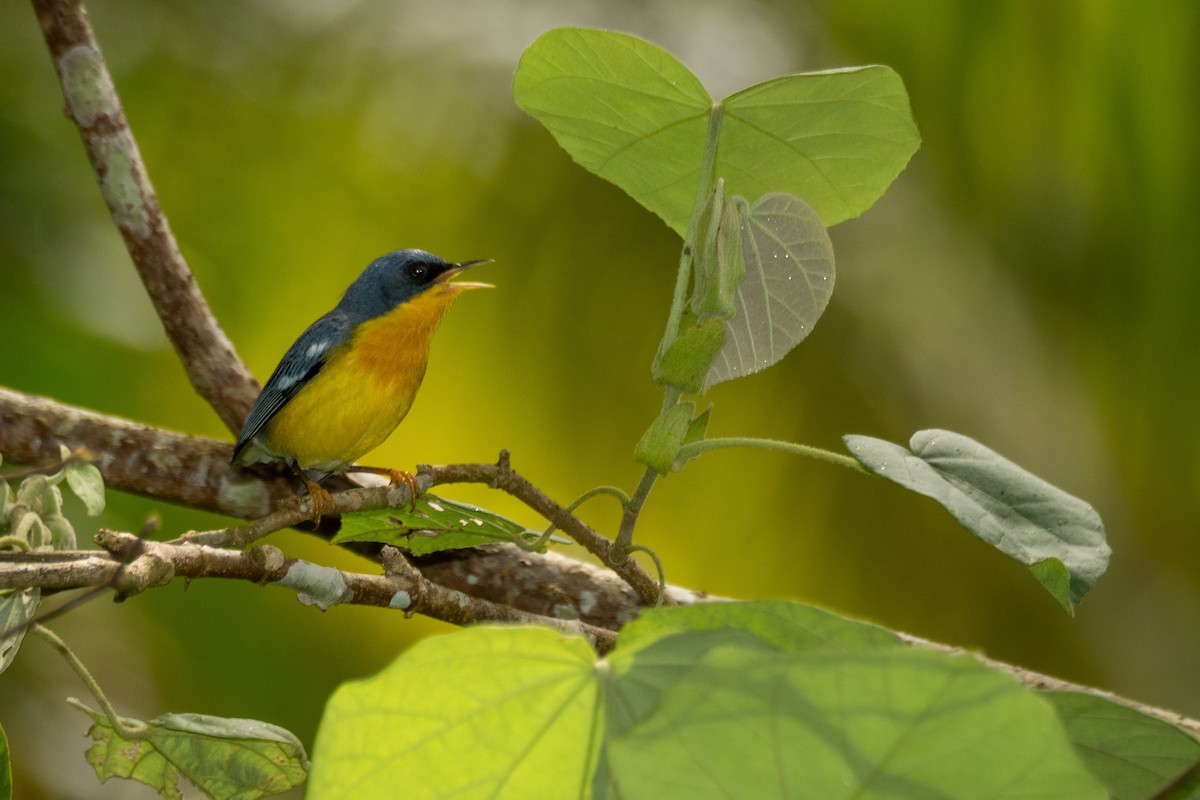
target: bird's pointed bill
<point>448,276</point>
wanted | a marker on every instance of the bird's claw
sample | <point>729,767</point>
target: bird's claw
<point>409,480</point>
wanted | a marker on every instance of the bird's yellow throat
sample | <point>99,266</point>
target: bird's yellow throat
<point>330,424</point>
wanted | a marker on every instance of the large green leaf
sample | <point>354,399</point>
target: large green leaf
<point>485,712</point>
<point>230,759</point>
<point>788,279</point>
<point>630,112</point>
<point>623,108</point>
<point>745,722</point>
<point>752,700</point>
<point>837,139</point>
<point>1132,754</point>
<point>787,626</point>
<point>1057,535</point>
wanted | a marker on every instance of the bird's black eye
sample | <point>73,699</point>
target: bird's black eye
<point>418,272</point>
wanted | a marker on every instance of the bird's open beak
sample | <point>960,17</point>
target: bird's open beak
<point>447,277</point>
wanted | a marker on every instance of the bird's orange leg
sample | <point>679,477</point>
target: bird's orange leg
<point>395,476</point>
<point>320,501</point>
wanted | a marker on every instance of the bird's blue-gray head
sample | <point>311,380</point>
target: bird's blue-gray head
<point>396,278</point>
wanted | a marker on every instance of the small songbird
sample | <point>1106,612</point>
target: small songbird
<point>348,381</point>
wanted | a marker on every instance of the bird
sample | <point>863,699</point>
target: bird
<point>348,381</point>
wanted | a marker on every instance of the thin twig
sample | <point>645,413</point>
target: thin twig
<point>502,476</point>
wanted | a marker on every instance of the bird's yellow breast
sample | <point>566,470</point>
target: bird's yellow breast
<point>364,390</point>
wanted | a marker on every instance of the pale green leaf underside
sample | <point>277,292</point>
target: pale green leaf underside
<point>1022,515</point>
<point>87,484</point>
<point>630,112</point>
<point>16,610</point>
<point>788,280</point>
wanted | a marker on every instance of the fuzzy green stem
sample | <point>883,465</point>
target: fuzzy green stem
<point>620,548</point>
<point>128,729</point>
<point>704,185</point>
<point>696,448</point>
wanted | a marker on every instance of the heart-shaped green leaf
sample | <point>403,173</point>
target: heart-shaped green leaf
<point>742,721</point>
<point>629,111</point>
<point>789,277</point>
<point>1057,535</point>
<point>837,139</point>
<point>623,108</point>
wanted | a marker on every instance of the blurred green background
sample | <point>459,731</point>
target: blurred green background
<point>1029,281</point>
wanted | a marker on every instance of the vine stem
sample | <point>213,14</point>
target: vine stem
<point>624,540</point>
<point>808,451</point>
<point>683,278</point>
<point>704,184</point>
<point>127,729</point>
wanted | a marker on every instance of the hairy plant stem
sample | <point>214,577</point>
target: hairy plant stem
<point>704,184</point>
<point>633,508</point>
<point>696,448</point>
<point>672,394</point>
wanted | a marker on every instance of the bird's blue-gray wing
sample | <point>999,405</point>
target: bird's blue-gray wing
<point>300,364</point>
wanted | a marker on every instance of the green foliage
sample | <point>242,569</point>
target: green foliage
<point>630,112</point>
<point>16,611</point>
<point>1060,537</point>
<point>487,712</point>
<point>686,362</point>
<point>788,264</point>
<point>5,768</point>
<point>432,524</point>
<point>31,519</point>
<point>822,707</point>
<point>749,182</point>
<point>1132,754</point>
<point>87,484</point>
<point>659,446</point>
<point>226,758</point>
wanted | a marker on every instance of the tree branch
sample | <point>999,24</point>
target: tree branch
<point>209,359</point>
<point>194,471</point>
<point>132,565</point>
<point>502,476</point>
<point>137,565</point>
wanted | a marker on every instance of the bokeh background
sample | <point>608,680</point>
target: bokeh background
<point>1031,281</point>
